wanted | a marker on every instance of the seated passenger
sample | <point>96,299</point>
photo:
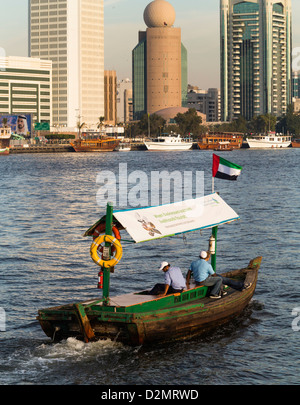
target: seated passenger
<point>174,281</point>
<point>204,275</point>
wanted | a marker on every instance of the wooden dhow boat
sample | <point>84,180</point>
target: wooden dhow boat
<point>138,318</point>
<point>223,141</point>
<point>101,143</point>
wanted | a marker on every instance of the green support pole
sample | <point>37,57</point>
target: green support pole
<point>214,257</point>
<point>106,270</point>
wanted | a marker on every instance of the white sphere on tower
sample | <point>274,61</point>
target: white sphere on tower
<point>159,13</point>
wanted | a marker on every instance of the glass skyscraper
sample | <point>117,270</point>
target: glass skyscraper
<point>256,72</point>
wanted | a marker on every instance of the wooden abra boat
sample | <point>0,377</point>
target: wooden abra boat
<point>139,318</point>
<point>221,141</point>
<point>224,146</point>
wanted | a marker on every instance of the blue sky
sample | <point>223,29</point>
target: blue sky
<point>198,20</point>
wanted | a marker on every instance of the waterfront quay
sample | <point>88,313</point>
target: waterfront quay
<point>67,148</point>
<point>59,148</point>
<point>42,149</point>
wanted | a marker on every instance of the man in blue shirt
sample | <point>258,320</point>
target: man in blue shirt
<point>174,281</point>
<point>204,275</point>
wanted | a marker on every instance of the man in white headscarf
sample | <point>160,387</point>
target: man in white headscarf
<point>22,126</point>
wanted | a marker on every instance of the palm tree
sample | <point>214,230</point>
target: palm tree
<point>80,126</point>
<point>100,123</point>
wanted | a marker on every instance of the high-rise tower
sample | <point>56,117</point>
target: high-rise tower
<point>256,73</point>
<point>71,34</point>
<point>159,62</point>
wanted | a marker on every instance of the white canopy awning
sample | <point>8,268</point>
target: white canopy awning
<point>145,224</point>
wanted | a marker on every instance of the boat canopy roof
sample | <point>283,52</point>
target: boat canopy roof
<point>146,224</point>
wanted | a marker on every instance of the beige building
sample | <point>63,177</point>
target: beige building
<point>163,68</point>
<point>159,62</point>
<point>70,33</point>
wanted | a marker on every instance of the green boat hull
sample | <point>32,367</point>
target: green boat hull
<point>152,319</point>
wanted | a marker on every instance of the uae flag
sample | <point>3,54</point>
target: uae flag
<point>223,169</point>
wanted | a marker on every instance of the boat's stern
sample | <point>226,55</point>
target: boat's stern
<point>88,322</point>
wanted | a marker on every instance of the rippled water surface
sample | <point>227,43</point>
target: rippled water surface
<point>48,201</point>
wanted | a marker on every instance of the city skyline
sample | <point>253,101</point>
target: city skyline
<point>199,23</point>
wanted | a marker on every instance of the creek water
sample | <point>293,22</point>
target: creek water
<point>49,200</point>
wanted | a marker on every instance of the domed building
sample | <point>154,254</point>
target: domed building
<point>159,62</point>
<point>169,114</point>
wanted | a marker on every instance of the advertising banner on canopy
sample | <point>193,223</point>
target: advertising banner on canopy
<point>172,219</point>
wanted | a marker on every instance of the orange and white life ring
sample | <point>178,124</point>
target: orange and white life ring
<point>101,229</point>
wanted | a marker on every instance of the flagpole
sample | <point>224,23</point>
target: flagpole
<point>213,176</point>
<point>214,255</point>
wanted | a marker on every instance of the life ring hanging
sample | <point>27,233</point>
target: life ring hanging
<point>94,251</point>
<point>101,228</point>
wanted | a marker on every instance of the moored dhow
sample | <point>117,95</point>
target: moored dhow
<point>221,141</point>
<point>139,318</point>
<point>95,143</point>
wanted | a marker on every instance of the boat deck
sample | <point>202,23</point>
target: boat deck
<point>127,300</point>
<point>141,297</point>
<point>136,298</point>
